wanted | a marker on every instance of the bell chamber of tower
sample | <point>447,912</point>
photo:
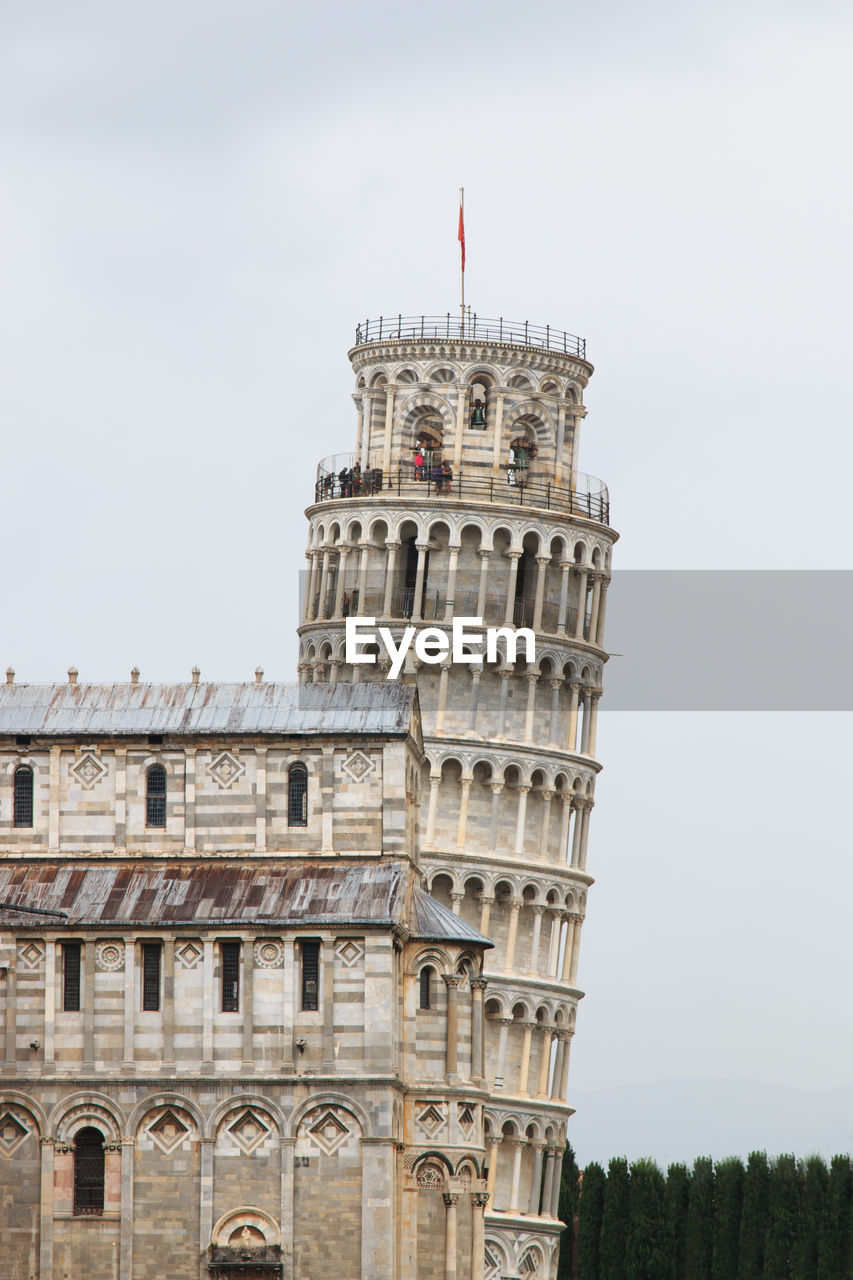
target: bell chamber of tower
<point>463,497</point>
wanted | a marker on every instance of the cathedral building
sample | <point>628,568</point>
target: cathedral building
<point>289,973</point>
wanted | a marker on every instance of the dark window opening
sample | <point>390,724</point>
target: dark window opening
<point>71,977</point>
<point>89,1172</point>
<point>22,739</point>
<point>155,739</point>
<point>23,789</point>
<point>297,796</point>
<point>426,987</point>
<point>150,976</point>
<point>310,975</point>
<point>230,977</point>
<point>155,797</point>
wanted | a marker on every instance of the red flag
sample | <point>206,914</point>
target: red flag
<point>461,235</point>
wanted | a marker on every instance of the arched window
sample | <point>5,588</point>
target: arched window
<point>297,796</point>
<point>23,786</point>
<point>89,1172</point>
<point>426,986</point>
<point>155,797</point>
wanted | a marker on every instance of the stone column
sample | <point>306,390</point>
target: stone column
<point>509,612</point>
<point>533,962</point>
<point>571,744</point>
<point>247,1002</point>
<point>168,1004</point>
<point>11,1049</point>
<point>205,1214</point>
<point>328,1006</point>
<point>465,784</point>
<point>585,834</point>
<point>463,392</point>
<point>554,728</point>
<point>288,1146</point>
<point>390,565</point>
<point>561,438</point>
<point>485,557</point>
<point>121,799</point>
<point>587,700</point>
<point>261,798</point>
<point>544,1063</point>
<point>602,609</point>
<point>576,949</point>
<point>545,822</point>
<point>593,612</point>
<point>505,676</point>
<point>554,949</point>
<point>563,618</point>
<point>46,1149</point>
<point>500,1066</point>
<point>364,548</point>
<point>565,819</point>
<point>497,789</point>
<point>442,697</point>
<point>343,556</point>
<point>377,1213</point>
<point>88,976</point>
<point>451,1199</point>
<point>486,901</point>
<point>129,1004</point>
<point>390,390</point>
<point>493,1143</point>
<point>512,934</point>
<point>555,1185</point>
<point>452,981</point>
<point>368,398</point>
<point>456,898</point>
<point>581,599</point>
<point>536,1180</point>
<point>548,1188</point>
<point>478,1031</point>
<point>417,605</point>
<point>207,1008</point>
<point>359,430</point>
<point>563,1091</point>
<point>558,1066</point>
<point>53,800</point>
<point>572,921</point>
<point>312,584</point>
<point>126,1225</point>
<point>517,1144</point>
<point>521,817</point>
<point>578,805</point>
<point>476,676</point>
<point>524,1069</point>
<point>434,780</point>
<point>50,944</point>
<point>542,563</point>
<point>498,436</point>
<point>532,682</point>
<point>593,721</point>
<point>324,583</point>
<point>479,1200</point>
<point>450,600</point>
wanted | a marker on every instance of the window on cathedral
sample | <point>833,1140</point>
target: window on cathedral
<point>151,976</point>
<point>89,1172</point>
<point>155,797</point>
<point>230,977</point>
<point>426,987</point>
<point>23,792</point>
<point>310,975</point>
<point>71,952</point>
<point>297,796</point>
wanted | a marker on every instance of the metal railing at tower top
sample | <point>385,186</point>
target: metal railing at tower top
<point>473,328</point>
<point>338,478</point>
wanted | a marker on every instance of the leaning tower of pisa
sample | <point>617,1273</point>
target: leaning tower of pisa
<point>463,498</point>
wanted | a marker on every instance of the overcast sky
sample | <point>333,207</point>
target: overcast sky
<point>201,200</point>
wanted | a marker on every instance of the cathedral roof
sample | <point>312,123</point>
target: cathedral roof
<point>115,709</point>
<point>435,923</point>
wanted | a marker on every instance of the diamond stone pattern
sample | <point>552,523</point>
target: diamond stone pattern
<point>329,1132</point>
<point>358,766</point>
<point>431,1119</point>
<point>13,1131</point>
<point>226,769</point>
<point>168,1131</point>
<point>31,954</point>
<point>88,770</point>
<point>249,1131</point>
<point>349,953</point>
<point>189,954</point>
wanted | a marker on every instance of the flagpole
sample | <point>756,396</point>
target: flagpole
<point>462,273</point>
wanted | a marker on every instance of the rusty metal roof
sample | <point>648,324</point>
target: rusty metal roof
<point>185,893</point>
<point>434,923</point>
<point>115,709</point>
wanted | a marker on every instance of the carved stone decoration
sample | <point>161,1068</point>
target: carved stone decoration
<point>529,1265</point>
<point>430,1177</point>
<point>466,1118</point>
<point>358,766</point>
<point>493,1264</point>
<point>349,952</point>
<point>188,954</point>
<point>225,769</point>
<point>431,1119</point>
<point>168,1131</point>
<point>30,954</point>
<point>269,953</point>
<point>109,956</point>
<point>88,770</point>
<point>329,1132</point>
<point>14,1129</point>
<point>249,1130</point>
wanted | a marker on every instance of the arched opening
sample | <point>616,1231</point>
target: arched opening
<point>155,797</point>
<point>297,796</point>
<point>23,793</point>
<point>89,1172</point>
<point>427,976</point>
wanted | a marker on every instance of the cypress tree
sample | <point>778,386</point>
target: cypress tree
<point>677,1192</point>
<point>728,1203</point>
<point>834,1243</point>
<point>700,1220</point>
<point>568,1208</point>
<point>590,1210</point>
<point>648,1251</point>
<point>814,1182</point>
<point>753,1222</point>
<point>784,1206</point>
<point>615,1220</point>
